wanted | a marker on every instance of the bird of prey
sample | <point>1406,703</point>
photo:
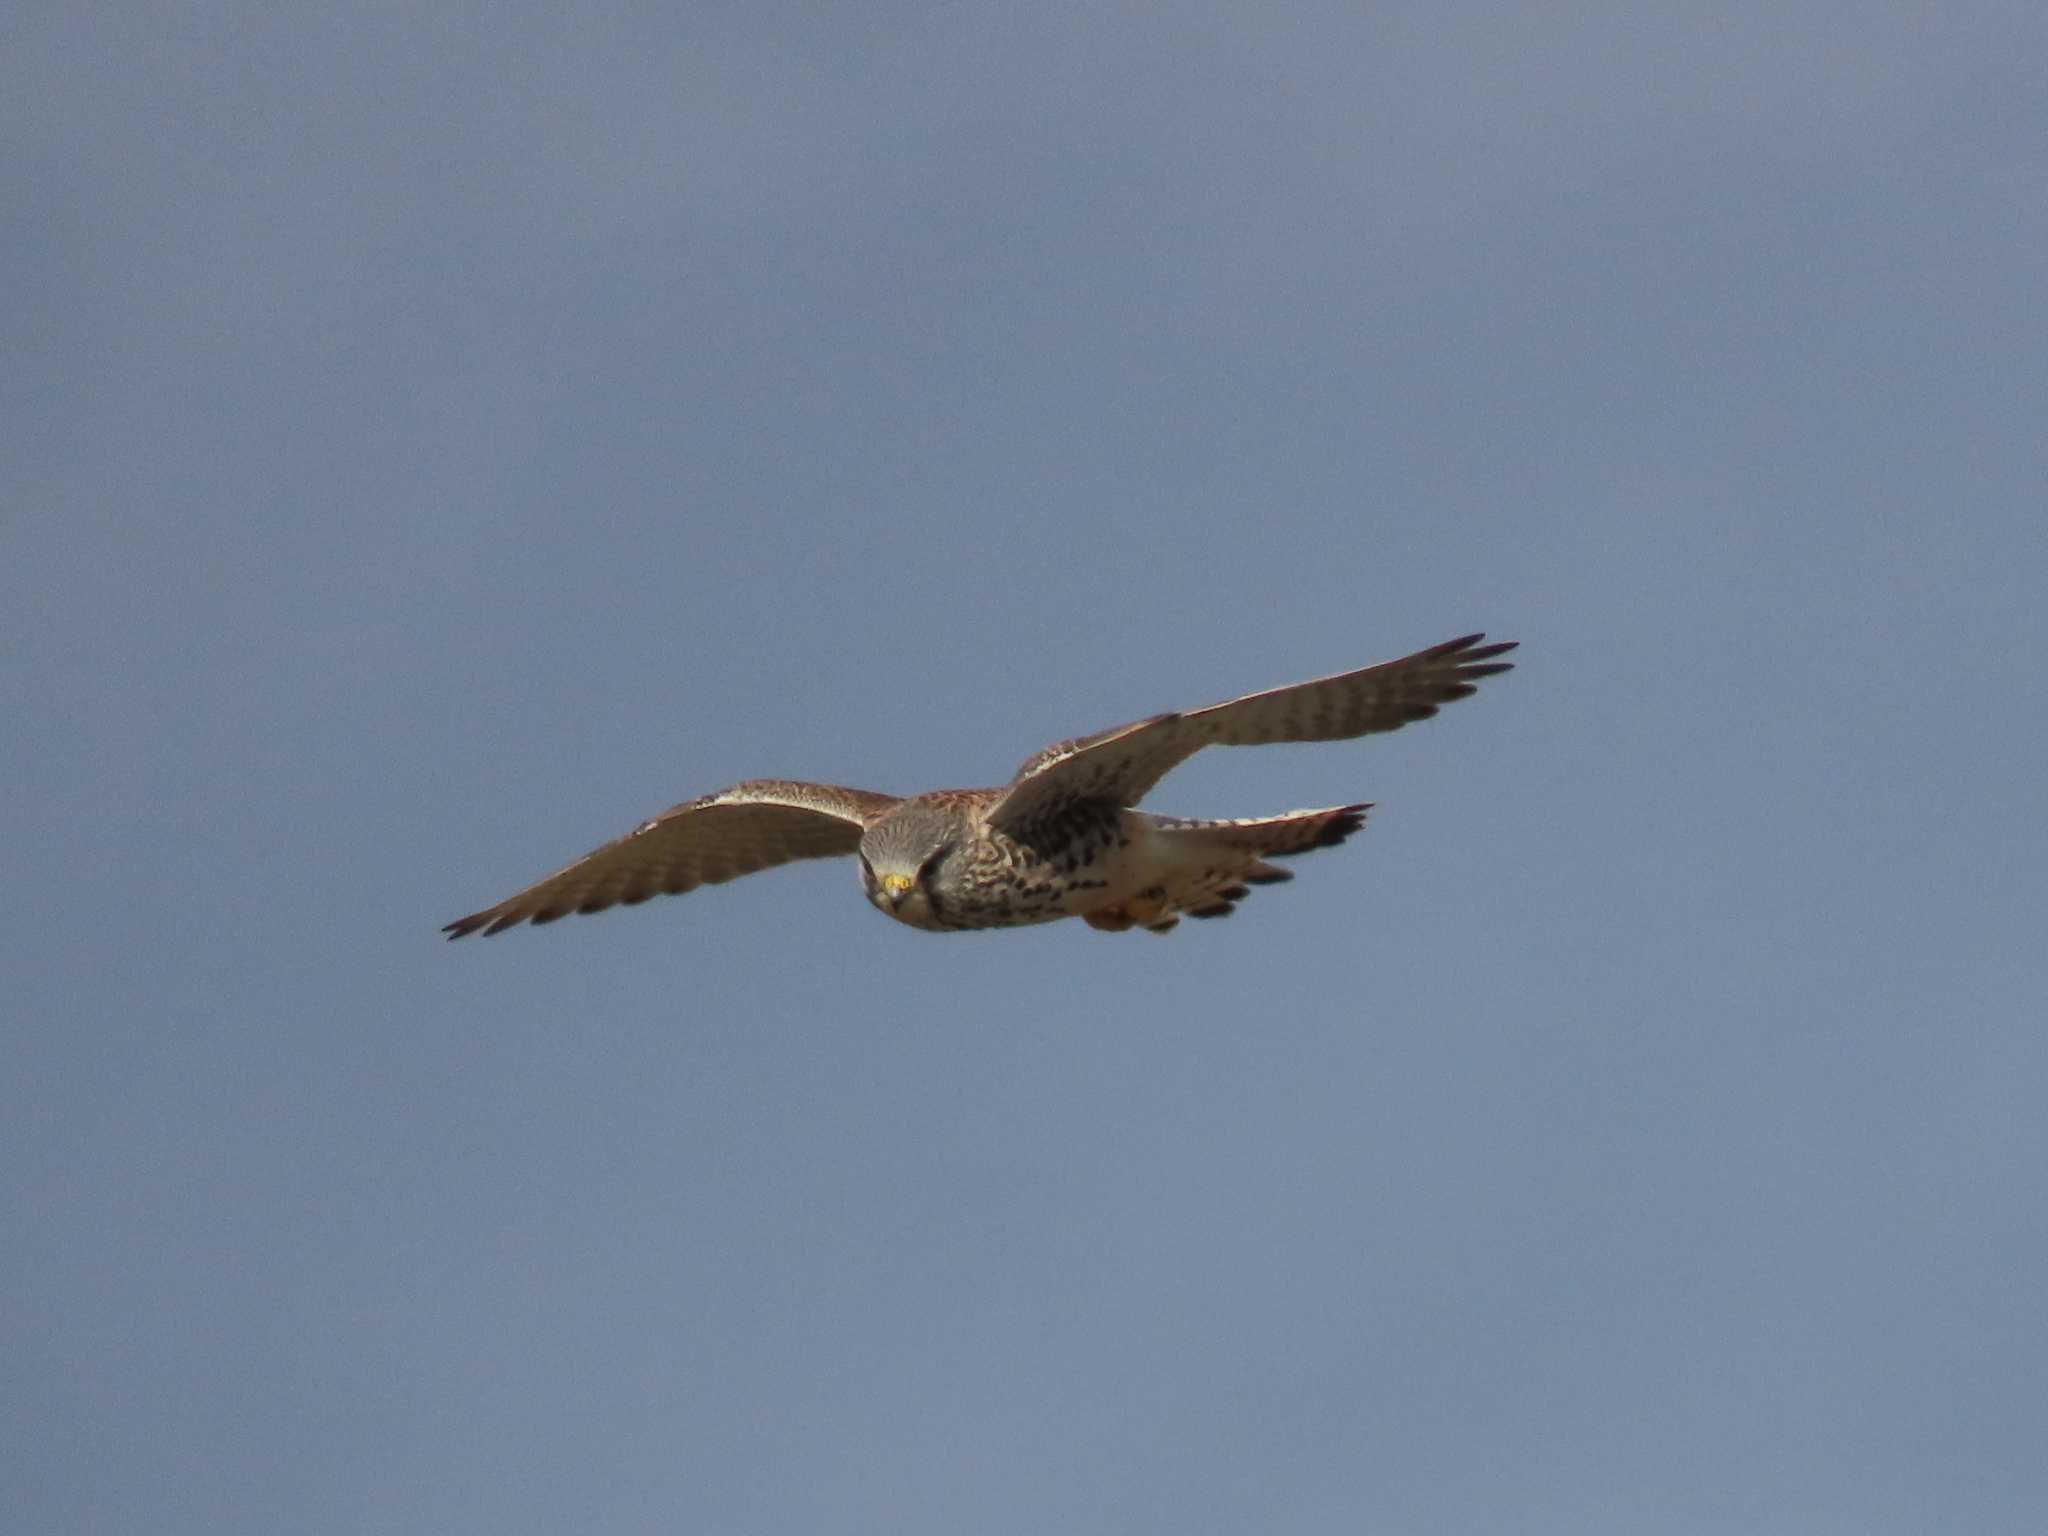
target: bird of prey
<point>1062,839</point>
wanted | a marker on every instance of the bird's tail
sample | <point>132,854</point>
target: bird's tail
<point>1212,865</point>
<point>1273,837</point>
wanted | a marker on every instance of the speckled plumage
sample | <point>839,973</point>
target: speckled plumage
<point>1062,839</point>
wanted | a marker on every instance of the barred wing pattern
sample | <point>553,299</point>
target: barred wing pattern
<point>751,826</point>
<point>1122,764</point>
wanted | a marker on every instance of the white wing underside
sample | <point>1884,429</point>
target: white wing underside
<point>751,826</point>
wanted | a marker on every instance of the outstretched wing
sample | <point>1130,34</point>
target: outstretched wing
<point>1122,764</point>
<point>753,825</point>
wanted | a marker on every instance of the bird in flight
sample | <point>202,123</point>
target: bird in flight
<point>1062,839</point>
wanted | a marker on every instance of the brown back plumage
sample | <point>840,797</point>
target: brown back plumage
<point>1122,764</point>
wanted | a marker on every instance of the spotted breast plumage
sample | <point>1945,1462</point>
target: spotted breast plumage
<point>1063,838</point>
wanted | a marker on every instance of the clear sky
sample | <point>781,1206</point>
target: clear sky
<point>438,437</point>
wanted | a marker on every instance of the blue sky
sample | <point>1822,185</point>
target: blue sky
<point>439,438</point>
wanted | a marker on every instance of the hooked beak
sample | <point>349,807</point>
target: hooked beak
<point>896,887</point>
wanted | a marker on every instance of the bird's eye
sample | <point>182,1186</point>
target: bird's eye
<point>867,872</point>
<point>925,869</point>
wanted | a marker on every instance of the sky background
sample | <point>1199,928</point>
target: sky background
<point>437,437</point>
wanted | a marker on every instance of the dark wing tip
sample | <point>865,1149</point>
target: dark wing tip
<point>493,921</point>
<point>1467,649</point>
<point>1468,661</point>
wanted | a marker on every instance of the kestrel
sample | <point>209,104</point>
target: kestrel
<point>1061,839</point>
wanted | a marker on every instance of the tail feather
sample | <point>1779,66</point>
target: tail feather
<point>1309,830</point>
<point>1216,863</point>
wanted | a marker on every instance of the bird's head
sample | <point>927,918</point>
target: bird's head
<point>900,861</point>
